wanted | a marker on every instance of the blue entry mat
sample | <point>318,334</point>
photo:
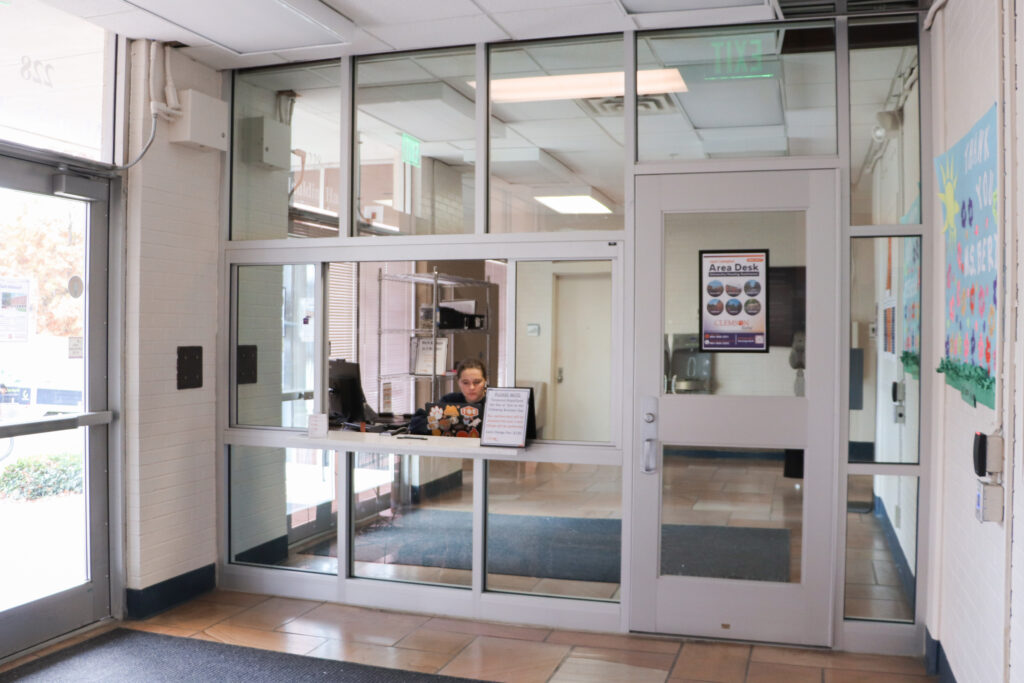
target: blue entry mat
<point>574,548</point>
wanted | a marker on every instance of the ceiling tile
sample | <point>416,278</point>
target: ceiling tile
<point>532,111</point>
<point>385,12</point>
<point>545,23</point>
<point>439,32</point>
<point>219,58</point>
<point>136,23</point>
<point>496,6</point>
<point>89,8</point>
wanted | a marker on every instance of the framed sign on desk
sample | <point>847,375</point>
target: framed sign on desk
<point>506,416</point>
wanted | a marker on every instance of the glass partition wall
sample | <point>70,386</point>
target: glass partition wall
<point>557,149</point>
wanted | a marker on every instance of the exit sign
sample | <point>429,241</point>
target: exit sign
<point>410,150</point>
<point>736,58</point>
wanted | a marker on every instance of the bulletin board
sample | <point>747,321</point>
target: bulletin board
<point>967,177</point>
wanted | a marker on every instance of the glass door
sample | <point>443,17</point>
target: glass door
<point>736,393</point>
<point>53,403</point>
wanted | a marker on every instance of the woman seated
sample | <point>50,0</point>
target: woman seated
<point>456,420</point>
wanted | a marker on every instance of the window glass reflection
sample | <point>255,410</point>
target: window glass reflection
<point>881,547</point>
<point>885,349</point>
<point>554,529</point>
<point>563,346</point>
<point>415,118</point>
<point>275,345</point>
<point>287,152</point>
<point>738,92</point>
<point>557,135</point>
<point>284,511</point>
<point>412,518</point>
<point>780,372</point>
<point>885,122</point>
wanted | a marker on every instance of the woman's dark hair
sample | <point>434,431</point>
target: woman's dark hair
<point>470,364</point>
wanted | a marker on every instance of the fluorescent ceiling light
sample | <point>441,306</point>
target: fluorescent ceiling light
<point>583,86</point>
<point>573,204</point>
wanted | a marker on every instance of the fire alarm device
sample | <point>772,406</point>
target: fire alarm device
<point>988,506</point>
<point>988,454</point>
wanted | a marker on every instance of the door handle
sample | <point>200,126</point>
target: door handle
<point>650,457</point>
<point>559,377</point>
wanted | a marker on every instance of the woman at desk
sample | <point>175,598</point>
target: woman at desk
<point>471,376</point>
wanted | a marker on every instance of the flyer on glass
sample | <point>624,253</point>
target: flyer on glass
<point>734,300</point>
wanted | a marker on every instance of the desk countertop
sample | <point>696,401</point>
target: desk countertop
<point>339,439</point>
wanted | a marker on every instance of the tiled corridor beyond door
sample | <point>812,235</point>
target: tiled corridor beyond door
<point>500,652</point>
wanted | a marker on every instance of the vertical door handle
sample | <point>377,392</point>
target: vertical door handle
<point>650,457</point>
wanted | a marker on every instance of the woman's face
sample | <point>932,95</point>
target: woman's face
<point>472,384</point>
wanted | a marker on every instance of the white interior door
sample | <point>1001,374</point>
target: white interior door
<point>735,448</point>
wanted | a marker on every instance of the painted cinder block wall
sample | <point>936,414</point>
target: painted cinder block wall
<point>967,601</point>
<point>173,232</point>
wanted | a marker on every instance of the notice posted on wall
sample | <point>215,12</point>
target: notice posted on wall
<point>734,300</point>
<point>14,309</point>
<point>505,417</point>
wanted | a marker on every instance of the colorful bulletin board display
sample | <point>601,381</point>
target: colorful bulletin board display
<point>734,300</point>
<point>967,175</point>
<point>911,355</point>
<point>14,308</point>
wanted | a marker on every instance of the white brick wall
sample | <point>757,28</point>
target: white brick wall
<point>967,613</point>
<point>173,238</point>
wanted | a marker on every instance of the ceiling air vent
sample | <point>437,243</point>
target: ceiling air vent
<point>645,104</point>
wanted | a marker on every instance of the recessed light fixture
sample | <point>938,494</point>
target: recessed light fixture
<point>573,204</point>
<point>583,86</point>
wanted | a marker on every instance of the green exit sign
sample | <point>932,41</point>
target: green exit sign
<point>410,150</point>
<point>736,58</point>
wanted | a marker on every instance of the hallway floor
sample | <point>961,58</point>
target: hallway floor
<point>500,652</point>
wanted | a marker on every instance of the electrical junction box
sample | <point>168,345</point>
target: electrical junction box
<point>266,143</point>
<point>203,123</point>
<point>988,506</point>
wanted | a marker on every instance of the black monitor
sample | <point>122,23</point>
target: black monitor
<point>346,391</point>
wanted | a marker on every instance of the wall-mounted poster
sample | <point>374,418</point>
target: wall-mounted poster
<point>734,300</point>
<point>967,174</point>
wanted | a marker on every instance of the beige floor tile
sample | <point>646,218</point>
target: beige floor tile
<point>587,670</point>
<point>271,613</point>
<point>838,660</point>
<point>717,662</point>
<point>196,616</point>
<point>342,622</point>
<point>765,672</point>
<point>504,659</point>
<point>845,676</point>
<point>379,655</point>
<point>860,571</point>
<point>643,660</point>
<point>885,573</point>
<point>226,597</point>
<point>202,635</point>
<point>159,628</point>
<point>430,640</point>
<point>264,640</point>
<point>484,628</point>
<point>592,641</point>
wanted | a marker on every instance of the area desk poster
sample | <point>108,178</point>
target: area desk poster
<point>506,415</point>
<point>734,300</point>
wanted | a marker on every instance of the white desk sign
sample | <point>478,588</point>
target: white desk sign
<point>317,425</point>
<point>505,416</point>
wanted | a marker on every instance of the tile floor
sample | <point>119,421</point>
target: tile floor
<point>500,652</point>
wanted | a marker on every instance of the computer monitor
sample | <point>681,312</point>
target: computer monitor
<point>346,391</point>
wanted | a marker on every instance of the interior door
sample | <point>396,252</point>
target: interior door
<point>737,324</point>
<point>54,575</point>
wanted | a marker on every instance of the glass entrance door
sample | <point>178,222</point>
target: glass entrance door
<point>53,404</point>
<point>737,403</point>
